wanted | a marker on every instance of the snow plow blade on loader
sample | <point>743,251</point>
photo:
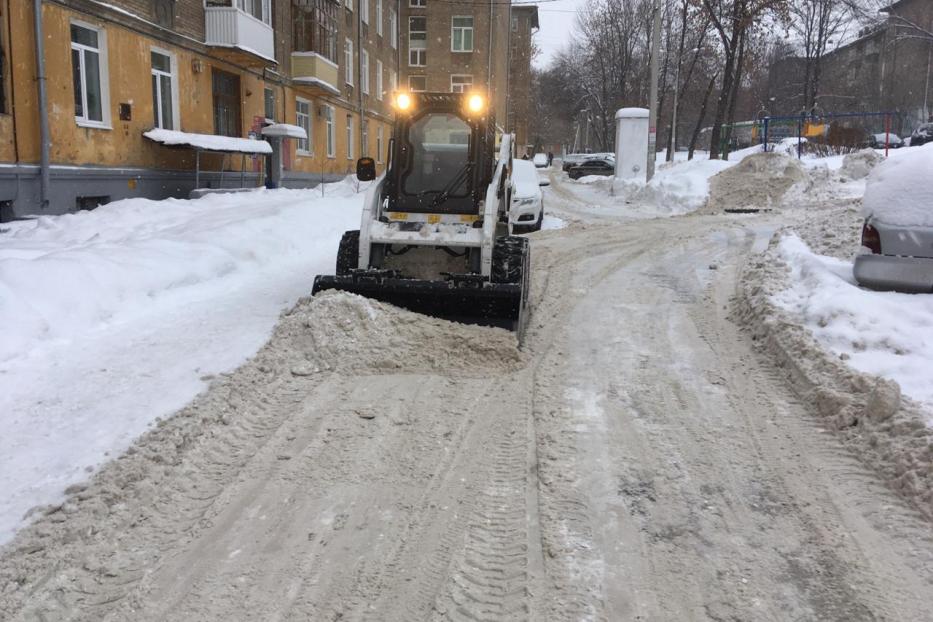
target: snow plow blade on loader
<point>433,236</point>
<point>497,305</point>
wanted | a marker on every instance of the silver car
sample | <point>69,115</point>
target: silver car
<point>895,257</point>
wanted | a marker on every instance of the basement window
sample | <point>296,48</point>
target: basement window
<point>89,203</point>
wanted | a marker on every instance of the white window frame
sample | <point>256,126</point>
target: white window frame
<point>463,30</point>
<point>364,11</point>
<point>380,138</point>
<point>393,29</point>
<point>349,136</point>
<point>364,71</point>
<point>462,84</point>
<point>103,77</point>
<point>364,137</point>
<point>348,60</point>
<point>379,17</point>
<point>421,50</point>
<point>412,89</point>
<point>173,78</point>
<point>309,142</point>
<point>378,79</point>
<point>330,131</point>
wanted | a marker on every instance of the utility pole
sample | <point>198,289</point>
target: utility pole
<point>653,94</point>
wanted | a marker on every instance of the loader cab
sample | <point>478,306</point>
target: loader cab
<point>442,153</point>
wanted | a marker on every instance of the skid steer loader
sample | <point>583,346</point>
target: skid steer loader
<point>434,234</point>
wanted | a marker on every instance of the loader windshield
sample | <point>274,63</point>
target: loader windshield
<point>440,163</point>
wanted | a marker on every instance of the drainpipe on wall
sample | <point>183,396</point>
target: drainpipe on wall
<point>359,72</point>
<point>43,108</point>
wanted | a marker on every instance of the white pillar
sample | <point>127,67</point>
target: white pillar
<point>631,144</point>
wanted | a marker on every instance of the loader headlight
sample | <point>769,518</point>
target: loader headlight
<point>476,103</point>
<point>403,101</point>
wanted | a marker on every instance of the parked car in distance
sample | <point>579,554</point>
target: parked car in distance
<point>897,234</point>
<point>922,135</point>
<point>527,210</point>
<point>877,141</point>
<point>600,166</point>
<point>540,160</point>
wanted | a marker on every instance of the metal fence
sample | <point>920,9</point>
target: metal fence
<point>819,135</point>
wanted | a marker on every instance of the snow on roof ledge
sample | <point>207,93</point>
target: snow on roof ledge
<point>312,81</point>
<point>208,142</point>
<point>284,130</point>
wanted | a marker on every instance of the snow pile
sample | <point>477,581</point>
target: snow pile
<point>342,331</point>
<point>859,164</point>
<point>760,180</point>
<point>886,334</point>
<point>120,315</point>
<point>899,191</point>
<point>209,142</point>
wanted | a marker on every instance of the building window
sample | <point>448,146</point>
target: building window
<point>461,34</point>
<point>379,138</point>
<point>89,75</point>
<point>417,83</point>
<point>417,41</point>
<point>164,89</point>
<point>348,61</point>
<point>349,136</point>
<point>417,3</point>
<point>260,9</point>
<point>378,79</point>
<point>364,137</point>
<point>379,17</point>
<point>314,27</point>
<point>364,11</point>
<point>331,134</point>
<point>225,88</point>
<point>269,101</point>
<point>460,84</point>
<point>364,71</point>
<point>303,120</point>
<point>393,28</point>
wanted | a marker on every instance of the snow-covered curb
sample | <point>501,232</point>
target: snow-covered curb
<point>885,429</point>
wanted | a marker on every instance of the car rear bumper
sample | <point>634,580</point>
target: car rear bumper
<point>886,272</point>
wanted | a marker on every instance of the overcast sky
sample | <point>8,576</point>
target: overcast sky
<point>557,19</point>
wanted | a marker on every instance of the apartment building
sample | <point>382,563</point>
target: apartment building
<point>112,71</point>
<point>456,46</point>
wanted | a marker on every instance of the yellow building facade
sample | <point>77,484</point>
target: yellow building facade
<point>97,151</point>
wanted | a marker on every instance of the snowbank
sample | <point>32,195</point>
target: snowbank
<point>899,191</point>
<point>886,334</point>
<point>805,314</point>
<point>121,315</point>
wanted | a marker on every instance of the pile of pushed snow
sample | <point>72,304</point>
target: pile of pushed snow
<point>341,331</point>
<point>61,276</point>
<point>886,334</point>
<point>760,180</point>
<point>858,165</point>
<point>899,191</point>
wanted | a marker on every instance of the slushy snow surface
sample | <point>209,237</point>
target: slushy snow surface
<point>899,191</point>
<point>118,316</point>
<point>887,334</point>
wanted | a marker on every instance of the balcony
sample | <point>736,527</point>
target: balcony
<point>315,74</point>
<point>243,26</point>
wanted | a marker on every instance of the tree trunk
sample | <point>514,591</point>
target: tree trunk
<point>702,117</point>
